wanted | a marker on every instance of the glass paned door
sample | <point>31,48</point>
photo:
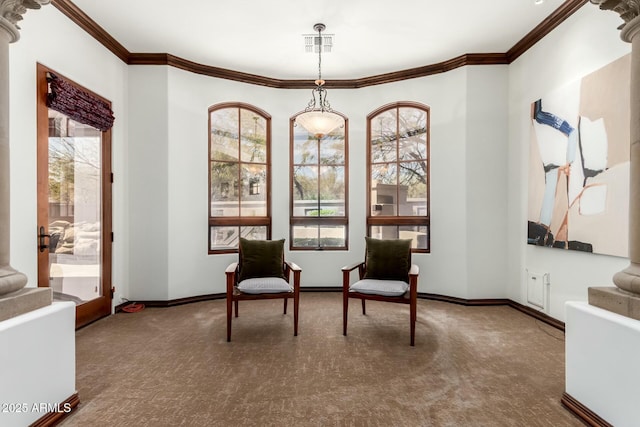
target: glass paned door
<point>74,210</point>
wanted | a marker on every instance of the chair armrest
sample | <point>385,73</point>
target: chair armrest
<point>231,277</point>
<point>347,269</point>
<point>414,270</point>
<point>231,269</point>
<point>352,267</point>
<point>293,266</point>
<point>288,268</point>
<point>413,282</point>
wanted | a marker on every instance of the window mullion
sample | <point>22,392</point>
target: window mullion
<point>318,196</point>
<point>239,168</point>
<point>397,161</point>
<point>242,219</point>
<point>302,238</point>
<point>396,222</point>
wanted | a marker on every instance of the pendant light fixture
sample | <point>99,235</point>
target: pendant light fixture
<point>318,118</point>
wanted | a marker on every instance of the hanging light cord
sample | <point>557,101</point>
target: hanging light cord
<point>319,55</point>
<point>322,92</point>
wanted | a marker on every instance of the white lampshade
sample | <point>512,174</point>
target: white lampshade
<point>319,123</point>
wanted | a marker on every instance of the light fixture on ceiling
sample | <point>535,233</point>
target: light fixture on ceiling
<point>538,1</point>
<point>318,118</point>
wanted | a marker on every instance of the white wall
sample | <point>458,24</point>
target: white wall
<point>444,270</point>
<point>40,369</point>
<point>50,38</point>
<point>148,183</point>
<point>601,338</point>
<point>486,192</point>
<point>191,271</point>
<point>587,41</point>
<point>479,149</point>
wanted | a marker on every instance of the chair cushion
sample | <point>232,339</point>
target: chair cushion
<point>264,285</point>
<point>387,259</point>
<point>388,288</point>
<point>261,258</point>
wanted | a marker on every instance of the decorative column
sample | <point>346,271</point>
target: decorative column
<point>11,11</point>
<point>626,299</point>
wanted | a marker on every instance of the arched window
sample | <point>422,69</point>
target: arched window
<point>319,181</point>
<point>239,175</point>
<point>398,173</point>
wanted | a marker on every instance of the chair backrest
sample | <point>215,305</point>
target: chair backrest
<point>260,258</point>
<point>387,259</point>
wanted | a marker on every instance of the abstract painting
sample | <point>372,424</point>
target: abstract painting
<point>579,164</point>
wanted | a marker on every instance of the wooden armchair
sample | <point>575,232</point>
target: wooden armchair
<point>386,275</point>
<point>262,273</point>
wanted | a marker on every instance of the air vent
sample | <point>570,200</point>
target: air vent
<point>537,290</point>
<point>312,43</point>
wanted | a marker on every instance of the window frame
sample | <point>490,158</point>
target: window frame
<point>319,221</point>
<point>239,220</point>
<point>400,220</point>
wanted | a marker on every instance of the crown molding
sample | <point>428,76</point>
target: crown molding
<point>76,15</point>
<point>194,67</point>
<point>558,16</point>
<point>412,73</point>
<point>427,70</point>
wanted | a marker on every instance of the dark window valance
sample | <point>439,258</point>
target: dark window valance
<point>78,104</point>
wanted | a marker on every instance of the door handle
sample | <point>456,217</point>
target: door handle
<point>41,236</point>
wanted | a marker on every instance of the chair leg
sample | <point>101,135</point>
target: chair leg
<point>364,310</point>
<point>345,310</point>
<point>413,315</point>
<point>229,315</point>
<point>285,305</point>
<point>236,304</point>
<point>296,303</point>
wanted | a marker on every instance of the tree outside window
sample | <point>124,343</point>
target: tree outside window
<point>239,175</point>
<point>398,173</point>
<point>319,188</point>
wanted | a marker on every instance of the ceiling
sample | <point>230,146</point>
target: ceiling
<point>371,37</point>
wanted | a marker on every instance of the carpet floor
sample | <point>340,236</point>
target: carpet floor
<point>471,366</point>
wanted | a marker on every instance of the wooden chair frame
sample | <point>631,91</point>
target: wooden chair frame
<point>234,295</point>
<point>410,297</point>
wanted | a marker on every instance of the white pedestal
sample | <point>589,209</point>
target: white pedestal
<point>602,350</point>
<point>37,363</point>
